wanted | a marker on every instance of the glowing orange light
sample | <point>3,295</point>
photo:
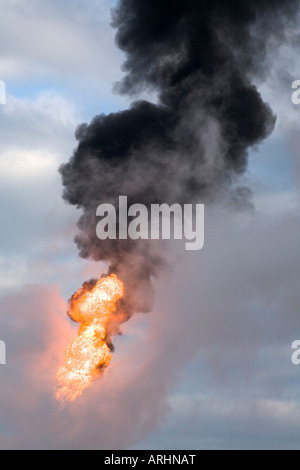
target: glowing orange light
<point>89,353</point>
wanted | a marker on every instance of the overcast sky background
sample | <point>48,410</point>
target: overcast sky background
<point>211,366</point>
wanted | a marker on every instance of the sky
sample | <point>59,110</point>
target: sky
<point>210,367</point>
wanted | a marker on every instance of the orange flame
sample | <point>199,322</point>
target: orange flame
<point>89,353</point>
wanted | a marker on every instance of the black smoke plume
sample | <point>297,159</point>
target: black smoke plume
<point>200,58</point>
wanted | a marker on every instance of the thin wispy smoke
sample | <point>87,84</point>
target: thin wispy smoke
<point>200,58</point>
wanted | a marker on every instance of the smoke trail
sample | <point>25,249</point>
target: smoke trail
<point>200,57</point>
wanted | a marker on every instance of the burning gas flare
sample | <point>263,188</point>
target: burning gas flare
<point>89,353</point>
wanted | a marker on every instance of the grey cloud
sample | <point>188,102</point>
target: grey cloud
<point>220,332</point>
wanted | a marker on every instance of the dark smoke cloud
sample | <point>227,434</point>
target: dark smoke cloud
<point>200,57</point>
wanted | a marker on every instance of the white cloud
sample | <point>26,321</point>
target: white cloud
<point>17,165</point>
<point>55,37</point>
<point>36,136</point>
<point>46,121</point>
